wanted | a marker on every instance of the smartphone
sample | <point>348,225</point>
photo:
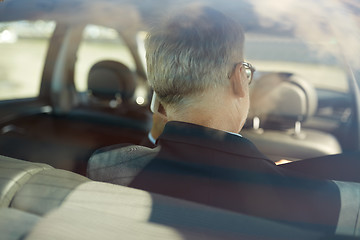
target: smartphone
<point>155,104</point>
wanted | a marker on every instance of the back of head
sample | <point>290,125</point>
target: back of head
<point>195,49</point>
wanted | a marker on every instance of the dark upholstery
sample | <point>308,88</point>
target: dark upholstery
<point>112,162</point>
<point>119,164</point>
<point>111,88</point>
<point>107,79</point>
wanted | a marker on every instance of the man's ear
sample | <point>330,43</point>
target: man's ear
<point>238,81</point>
<point>162,110</point>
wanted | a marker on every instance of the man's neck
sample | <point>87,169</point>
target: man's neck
<point>207,117</point>
<point>215,108</point>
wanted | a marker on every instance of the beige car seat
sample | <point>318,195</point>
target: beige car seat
<point>280,104</point>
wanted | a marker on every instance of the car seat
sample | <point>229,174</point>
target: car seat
<point>110,83</point>
<point>110,98</point>
<point>280,104</point>
<point>111,87</point>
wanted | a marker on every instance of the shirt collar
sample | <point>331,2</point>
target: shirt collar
<point>236,134</point>
<point>188,133</point>
<point>151,138</point>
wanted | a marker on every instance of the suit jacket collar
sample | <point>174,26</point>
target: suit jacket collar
<point>188,133</point>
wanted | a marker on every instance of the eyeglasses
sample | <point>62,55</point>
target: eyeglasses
<point>249,70</point>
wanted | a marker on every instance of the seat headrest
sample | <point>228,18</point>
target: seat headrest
<point>282,97</point>
<point>110,80</point>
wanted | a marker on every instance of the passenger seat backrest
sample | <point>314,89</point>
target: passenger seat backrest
<point>119,164</point>
<point>280,103</point>
<point>281,99</point>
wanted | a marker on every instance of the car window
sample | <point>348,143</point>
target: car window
<point>23,47</point>
<point>99,43</point>
<point>284,54</point>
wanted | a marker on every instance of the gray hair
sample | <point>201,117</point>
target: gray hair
<point>192,51</point>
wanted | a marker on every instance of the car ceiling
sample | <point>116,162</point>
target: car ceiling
<point>122,14</point>
<point>334,21</point>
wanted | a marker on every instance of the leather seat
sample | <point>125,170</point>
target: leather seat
<point>111,88</point>
<point>110,98</point>
<point>14,175</point>
<point>35,188</point>
<point>15,224</point>
<point>280,104</point>
<point>110,83</point>
<point>84,209</point>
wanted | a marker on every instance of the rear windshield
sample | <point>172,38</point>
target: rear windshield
<point>23,47</point>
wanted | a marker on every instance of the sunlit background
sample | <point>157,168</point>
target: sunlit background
<point>327,43</point>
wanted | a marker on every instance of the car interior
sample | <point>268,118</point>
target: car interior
<point>64,127</point>
<point>99,102</point>
<point>61,204</point>
<point>281,103</point>
<point>66,123</point>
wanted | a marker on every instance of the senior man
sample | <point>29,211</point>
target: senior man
<point>196,66</point>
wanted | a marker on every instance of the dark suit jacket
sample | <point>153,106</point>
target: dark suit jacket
<point>220,169</point>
